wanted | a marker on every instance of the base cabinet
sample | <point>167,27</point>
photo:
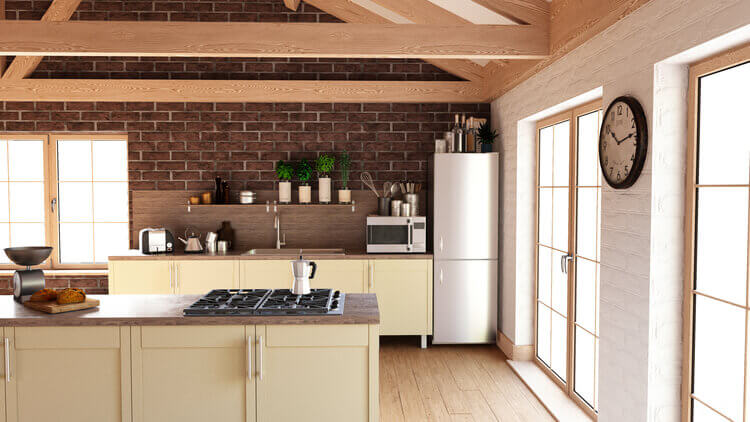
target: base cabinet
<point>141,277</point>
<point>404,291</point>
<point>200,277</point>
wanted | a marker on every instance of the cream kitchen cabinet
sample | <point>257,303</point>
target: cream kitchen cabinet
<point>404,290</point>
<point>141,277</point>
<point>346,275</point>
<point>193,373</point>
<point>199,277</point>
<point>67,373</point>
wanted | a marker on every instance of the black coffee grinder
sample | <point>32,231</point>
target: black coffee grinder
<point>27,282</point>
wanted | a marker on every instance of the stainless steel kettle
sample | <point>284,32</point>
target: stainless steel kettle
<point>193,242</point>
<point>302,270</point>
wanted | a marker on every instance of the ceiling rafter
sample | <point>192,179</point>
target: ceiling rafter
<point>292,4</point>
<point>23,66</point>
<point>532,12</point>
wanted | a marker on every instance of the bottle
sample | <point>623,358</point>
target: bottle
<point>458,136</point>
<point>225,192</point>
<point>219,195</point>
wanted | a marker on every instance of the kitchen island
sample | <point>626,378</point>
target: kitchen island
<point>137,358</point>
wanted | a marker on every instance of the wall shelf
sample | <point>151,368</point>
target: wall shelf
<point>269,206</point>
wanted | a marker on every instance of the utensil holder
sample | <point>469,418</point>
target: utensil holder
<point>396,207</point>
<point>413,200</point>
<point>384,206</point>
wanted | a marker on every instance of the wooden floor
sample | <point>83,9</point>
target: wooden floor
<point>451,383</point>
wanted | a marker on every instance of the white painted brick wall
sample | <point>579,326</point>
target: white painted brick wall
<point>642,241</point>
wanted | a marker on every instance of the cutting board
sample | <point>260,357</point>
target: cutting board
<point>52,307</point>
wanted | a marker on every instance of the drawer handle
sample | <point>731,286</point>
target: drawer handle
<point>260,358</point>
<point>250,358</point>
<point>7,359</point>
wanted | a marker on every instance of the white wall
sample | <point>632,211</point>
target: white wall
<point>643,55</point>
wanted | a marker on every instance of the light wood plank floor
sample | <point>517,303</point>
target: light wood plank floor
<point>451,383</point>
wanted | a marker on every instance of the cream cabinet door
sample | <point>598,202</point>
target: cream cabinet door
<point>7,333</point>
<point>348,276</point>
<point>141,277</point>
<point>201,276</point>
<point>193,373</point>
<point>334,361</point>
<point>69,374</point>
<point>404,291</point>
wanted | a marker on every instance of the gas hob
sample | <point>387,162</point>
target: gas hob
<point>244,302</point>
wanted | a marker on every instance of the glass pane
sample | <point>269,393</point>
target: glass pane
<point>4,242</point>
<point>75,202</point>
<point>544,274</point>
<point>701,413</point>
<point>559,284</point>
<point>586,289</point>
<point>587,216</point>
<point>561,172</point>
<point>110,160</point>
<point>545,216</point>
<point>584,365</point>
<point>27,234</point>
<point>724,150</point>
<point>721,243</point>
<point>110,239</point>
<point>559,345</point>
<point>76,243</point>
<point>27,202</point>
<point>4,205</point>
<point>560,218</point>
<point>545,156</point>
<point>74,160</point>
<point>4,160</point>
<point>719,355</point>
<point>543,333</point>
<point>26,160</point>
<point>111,202</point>
<point>588,146</point>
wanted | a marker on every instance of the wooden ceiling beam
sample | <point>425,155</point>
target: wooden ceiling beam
<point>351,12</point>
<point>2,18</point>
<point>306,40</point>
<point>532,12</point>
<point>422,12</point>
<point>24,66</point>
<point>292,4</point>
<point>123,90</point>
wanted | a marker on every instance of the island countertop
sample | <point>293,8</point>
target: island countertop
<point>167,310</point>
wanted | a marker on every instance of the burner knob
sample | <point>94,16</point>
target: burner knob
<point>336,294</point>
<point>335,304</point>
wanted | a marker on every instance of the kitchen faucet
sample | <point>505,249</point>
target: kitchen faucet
<point>277,226</point>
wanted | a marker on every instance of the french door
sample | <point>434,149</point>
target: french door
<point>567,251</point>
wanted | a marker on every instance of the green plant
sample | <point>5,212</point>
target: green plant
<point>284,170</point>
<point>304,171</point>
<point>345,165</point>
<point>324,164</point>
<point>485,134</point>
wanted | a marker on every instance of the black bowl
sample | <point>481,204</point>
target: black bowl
<point>28,256</point>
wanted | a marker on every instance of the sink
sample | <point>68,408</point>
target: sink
<point>294,252</point>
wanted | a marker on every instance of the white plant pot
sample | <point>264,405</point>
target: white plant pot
<point>305,193</point>
<point>324,190</point>
<point>345,196</point>
<point>285,192</point>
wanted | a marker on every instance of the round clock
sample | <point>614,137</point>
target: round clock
<point>623,142</point>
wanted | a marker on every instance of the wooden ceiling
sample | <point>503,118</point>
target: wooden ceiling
<point>536,34</point>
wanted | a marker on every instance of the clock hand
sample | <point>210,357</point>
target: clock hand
<point>623,139</point>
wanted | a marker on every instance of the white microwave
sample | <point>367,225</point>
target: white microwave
<point>396,234</point>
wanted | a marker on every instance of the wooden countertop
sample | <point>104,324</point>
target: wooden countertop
<point>167,310</point>
<point>238,255</point>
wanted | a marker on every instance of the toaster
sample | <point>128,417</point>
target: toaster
<point>156,241</point>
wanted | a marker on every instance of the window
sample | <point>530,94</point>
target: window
<point>66,191</point>
<point>568,226</point>
<point>717,308</point>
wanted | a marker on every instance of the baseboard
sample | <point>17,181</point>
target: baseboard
<point>512,351</point>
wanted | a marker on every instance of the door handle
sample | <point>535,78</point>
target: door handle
<point>260,357</point>
<point>52,205</point>
<point>440,244</point>
<point>250,358</point>
<point>7,359</point>
<point>441,276</point>
<point>564,259</point>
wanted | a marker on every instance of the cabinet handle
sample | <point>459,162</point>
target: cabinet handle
<point>176,279</point>
<point>260,357</point>
<point>7,359</point>
<point>249,358</point>
<point>171,277</point>
<point>372,277</point>
<point>441,276</point>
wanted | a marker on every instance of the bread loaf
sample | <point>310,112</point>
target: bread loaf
<point>71,296</point>
<point>44,295</point>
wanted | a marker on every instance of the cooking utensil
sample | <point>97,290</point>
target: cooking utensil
<point>247,197</point>
<point>27,282</point>
<point>302,270</point>
<point>394,190</point>
<point>366,178</point>
<point>193,242</point>
<point>387,189</point>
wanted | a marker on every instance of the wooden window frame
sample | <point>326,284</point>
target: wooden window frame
<point>711,65</point>
<point>50,191</point>
<point>572,116</point>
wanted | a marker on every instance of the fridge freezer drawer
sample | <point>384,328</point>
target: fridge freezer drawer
<point>465,302</point>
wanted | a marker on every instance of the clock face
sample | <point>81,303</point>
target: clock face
<point>622,142</point>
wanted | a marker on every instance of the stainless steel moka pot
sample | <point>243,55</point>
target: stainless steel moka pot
<point>302,270</point>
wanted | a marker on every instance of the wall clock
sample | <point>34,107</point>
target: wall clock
<point>623,142</point>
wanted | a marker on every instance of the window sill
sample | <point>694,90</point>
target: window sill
<point>562,407</point>
<point>54,273</point>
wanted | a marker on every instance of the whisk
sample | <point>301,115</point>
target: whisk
<point>366,178</point>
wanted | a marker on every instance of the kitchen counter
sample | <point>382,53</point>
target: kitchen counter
<point>136,255</point>
<point>150,310</point>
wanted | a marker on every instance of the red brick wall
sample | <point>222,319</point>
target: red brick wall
<point>92,284</point>
<point>184,146</point>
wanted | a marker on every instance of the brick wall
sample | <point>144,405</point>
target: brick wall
<point>92,284</point>
<point>214,68</point>
<point>184,146</point>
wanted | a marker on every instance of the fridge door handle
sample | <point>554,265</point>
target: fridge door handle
<point>441,276</point>
<point>440,244</point>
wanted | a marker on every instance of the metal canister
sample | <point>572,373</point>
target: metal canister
<point>406,209</point>
<point>413,200</point>
<point>396,207</point>
<point>247,197</point>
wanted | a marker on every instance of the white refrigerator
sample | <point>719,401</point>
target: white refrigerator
<point>464,212</point>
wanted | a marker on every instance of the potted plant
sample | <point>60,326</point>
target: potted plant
<point>324,165</point>
<point>285,172</point>
<point>345,164</point>
<point>486,136</point>
<point>304,172</point>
